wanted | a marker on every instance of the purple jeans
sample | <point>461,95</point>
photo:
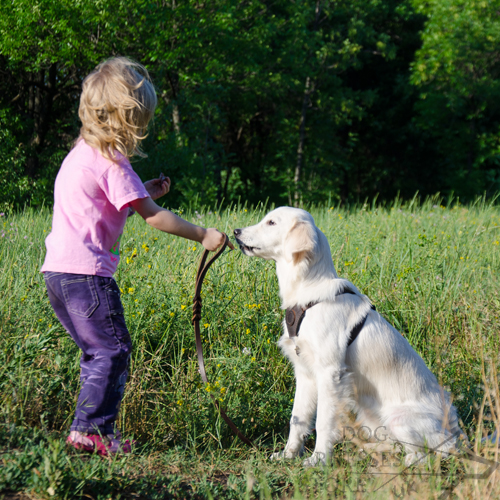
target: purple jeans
<point>90,309</point>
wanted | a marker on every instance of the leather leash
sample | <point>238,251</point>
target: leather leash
<point>202,271</point>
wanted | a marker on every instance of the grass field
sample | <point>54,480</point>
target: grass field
<point>431,270</point>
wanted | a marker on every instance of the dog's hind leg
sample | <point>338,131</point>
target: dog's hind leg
<point>423,433</point>
<point>304,410</point>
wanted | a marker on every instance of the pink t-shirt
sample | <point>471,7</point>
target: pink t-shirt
<point>91,196</point>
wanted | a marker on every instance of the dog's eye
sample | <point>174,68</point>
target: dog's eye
<point>270,222</point>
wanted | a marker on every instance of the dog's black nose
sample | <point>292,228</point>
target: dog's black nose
<point>237,232</point>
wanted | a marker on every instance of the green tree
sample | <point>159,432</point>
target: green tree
<point>292,101</point>
<point>46,48</point>
<point>457,73</point>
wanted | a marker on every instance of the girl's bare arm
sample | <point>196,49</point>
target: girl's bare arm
<point>166,221</point>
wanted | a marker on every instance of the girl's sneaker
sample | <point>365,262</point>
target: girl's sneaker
<point>102,445</point>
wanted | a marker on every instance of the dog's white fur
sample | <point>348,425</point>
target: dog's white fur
<point>379,377</point>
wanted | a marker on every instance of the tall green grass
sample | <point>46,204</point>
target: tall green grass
<point>431,271</point>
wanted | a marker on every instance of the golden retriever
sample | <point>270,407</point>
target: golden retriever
<point>378,376</point>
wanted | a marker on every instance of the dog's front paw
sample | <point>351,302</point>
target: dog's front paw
<point>317,458</point>
<point>280,455</point>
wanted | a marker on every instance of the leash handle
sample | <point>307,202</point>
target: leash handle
<point>197,303</point>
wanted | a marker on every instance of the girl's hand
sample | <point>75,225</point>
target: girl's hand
<point>213,239</point>
<point>157,188</point>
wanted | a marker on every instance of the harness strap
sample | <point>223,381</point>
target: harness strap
<point>357,329</point>
<point>294,316</point>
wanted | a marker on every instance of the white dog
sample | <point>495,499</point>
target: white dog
<point>346,356</point>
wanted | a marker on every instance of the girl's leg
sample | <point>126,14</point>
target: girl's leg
<point>89,307</point>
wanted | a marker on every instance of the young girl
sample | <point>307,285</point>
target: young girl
<point>95,190</point>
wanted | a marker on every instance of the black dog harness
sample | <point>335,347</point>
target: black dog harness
<point>295,315</point>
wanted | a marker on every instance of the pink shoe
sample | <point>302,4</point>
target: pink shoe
<point>104,446</point>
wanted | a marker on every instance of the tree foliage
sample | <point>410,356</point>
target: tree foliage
<point>294,101</point>
<point>457,71</point>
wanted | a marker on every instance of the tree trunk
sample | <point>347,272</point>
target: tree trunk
<point>40,100</point>
<point>344,187</point>
<point>300,148</point>
<point>173,79</point>
<point>176,120</point>
<point>308,90</point>
<point>229,171</point>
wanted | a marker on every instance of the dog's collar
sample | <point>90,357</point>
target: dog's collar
<point>294,316</point>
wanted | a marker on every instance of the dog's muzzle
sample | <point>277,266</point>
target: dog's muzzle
<point>244,248</point>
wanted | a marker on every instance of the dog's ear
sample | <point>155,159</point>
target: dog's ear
<point>300,241</point>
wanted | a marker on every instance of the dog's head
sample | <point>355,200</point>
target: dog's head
<point>285,233</point>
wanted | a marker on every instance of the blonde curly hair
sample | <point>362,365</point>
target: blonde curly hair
<point>118,100</point>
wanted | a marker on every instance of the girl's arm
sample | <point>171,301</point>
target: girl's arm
<point>166,221</point>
